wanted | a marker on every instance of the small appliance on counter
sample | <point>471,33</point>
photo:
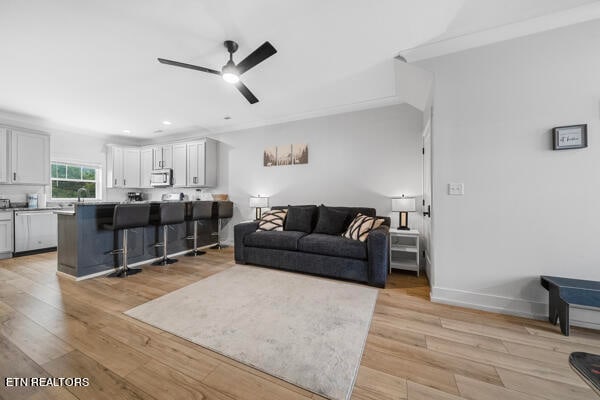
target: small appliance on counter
<point>135,196</point>
<point>32,200</point>
<point>174,197</point>
<point>4,203</point>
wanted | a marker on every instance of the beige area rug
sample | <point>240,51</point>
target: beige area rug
<point>308,331</point>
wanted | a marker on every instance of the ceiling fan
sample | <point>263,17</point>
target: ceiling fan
<point>231,71</point>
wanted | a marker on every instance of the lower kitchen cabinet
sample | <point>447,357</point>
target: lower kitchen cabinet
<point>6,234</point>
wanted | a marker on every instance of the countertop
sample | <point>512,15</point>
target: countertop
<point>30,209</point>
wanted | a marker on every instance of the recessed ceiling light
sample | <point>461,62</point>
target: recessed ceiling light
<point>126,131</point>
<point>166,122</point>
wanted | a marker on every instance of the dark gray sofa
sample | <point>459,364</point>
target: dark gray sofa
<point>316,253</point>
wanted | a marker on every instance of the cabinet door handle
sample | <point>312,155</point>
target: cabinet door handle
<point>124,182</point>
<point>14,176</point>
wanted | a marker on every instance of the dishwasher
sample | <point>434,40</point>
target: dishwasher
<point>35,230</point>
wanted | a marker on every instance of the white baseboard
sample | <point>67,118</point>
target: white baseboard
<point>512,306</point>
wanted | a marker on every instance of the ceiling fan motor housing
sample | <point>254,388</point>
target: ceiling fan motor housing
<point>231,46</point>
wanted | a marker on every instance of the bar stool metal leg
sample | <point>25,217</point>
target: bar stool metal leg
<point>124,270</point>
<point>219,245</point>
<point>195,252</point>
<point>164,260</point>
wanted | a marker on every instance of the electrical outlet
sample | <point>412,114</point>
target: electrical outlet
<point>456,189</point>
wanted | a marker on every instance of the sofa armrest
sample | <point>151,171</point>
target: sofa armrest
<point>378,253</point>
<point>239,232</point>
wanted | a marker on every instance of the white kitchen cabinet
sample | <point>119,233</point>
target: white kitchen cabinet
<point>180,165</point>
<point>117,167</point>
<point>163,157</point>
<point>131,168</point>
<point>123,164</point>
<point>3,155</point>
<point>202,164</point>
<point>6,234</point>
<point>29,158</point>
<point>145,167</point>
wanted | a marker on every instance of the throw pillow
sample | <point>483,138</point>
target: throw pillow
<point>331,221</point>
<point>272,221</point>
<point>361,226</point>
<point>300,218</point>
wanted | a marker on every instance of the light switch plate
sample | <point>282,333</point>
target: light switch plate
<point>456,189</point>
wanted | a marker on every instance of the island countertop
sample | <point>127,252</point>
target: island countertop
<point>84,247</point>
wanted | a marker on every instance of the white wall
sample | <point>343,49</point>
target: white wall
<point>527,210</point>
<point>355,159</point>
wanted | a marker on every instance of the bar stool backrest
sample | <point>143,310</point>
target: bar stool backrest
<point>128,216</point>
<point>201,210</point>
<point>224,209</point>
<point>171,213</point>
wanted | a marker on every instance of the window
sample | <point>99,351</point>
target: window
<point>68,178</point>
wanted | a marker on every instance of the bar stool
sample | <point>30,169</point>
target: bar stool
<point>125,217</point>
<point>165,214</point>
<point>224,210</point>
<point>198,211</point>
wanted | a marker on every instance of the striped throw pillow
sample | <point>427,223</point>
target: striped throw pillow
<point>272,220</point>
<point>361,226</point>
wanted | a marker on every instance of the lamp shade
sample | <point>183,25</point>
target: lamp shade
<point>404,204</point>
<point>259,202</point>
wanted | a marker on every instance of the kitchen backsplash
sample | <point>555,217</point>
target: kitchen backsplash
<point>18,193</point>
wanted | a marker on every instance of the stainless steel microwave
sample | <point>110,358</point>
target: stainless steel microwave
<point>161,178</point>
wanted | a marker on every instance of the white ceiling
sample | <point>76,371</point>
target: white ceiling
<point>91,65</point>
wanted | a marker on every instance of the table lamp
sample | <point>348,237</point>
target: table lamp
<point>259,203</point>
<point>403,205</point>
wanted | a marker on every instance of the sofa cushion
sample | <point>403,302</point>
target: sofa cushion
<point>300,218</point>
<point>272,221</point>
<point>332,221</point>
<point>361,226</point>
<point>283,240</point>
<point>332,245</point>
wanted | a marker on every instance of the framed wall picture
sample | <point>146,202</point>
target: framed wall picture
<point>270,156</point>
<point>300,153</point>
<point>284,155</point>
<point>570,137</point>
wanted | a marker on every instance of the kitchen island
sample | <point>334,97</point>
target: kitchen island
<point>84,247</point>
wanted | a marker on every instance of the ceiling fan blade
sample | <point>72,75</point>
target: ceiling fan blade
<point>246,93</point>
<point>259,55</point>
<point>190,66</point>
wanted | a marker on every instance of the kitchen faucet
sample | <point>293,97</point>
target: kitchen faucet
<point>79,192</point>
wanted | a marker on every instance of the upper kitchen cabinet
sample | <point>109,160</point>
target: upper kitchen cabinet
<point>146,167</point>
<point>29,157</point>
<point>180,165</point>
<point>163,157</point>
<point>202,163</point>
<point>3,156</point>
<point>123,164</point>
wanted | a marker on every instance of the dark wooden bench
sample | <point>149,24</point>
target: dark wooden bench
<point>564,292</point>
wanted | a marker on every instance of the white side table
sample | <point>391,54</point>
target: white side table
<point>405,250</point>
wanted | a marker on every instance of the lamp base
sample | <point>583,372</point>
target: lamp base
<point>403,220</point>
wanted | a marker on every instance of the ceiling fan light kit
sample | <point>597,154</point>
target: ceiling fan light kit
<point>231,72</point>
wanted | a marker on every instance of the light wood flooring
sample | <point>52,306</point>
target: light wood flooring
<point>53,326</point>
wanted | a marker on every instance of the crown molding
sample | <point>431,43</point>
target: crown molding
<point>485,37</point>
